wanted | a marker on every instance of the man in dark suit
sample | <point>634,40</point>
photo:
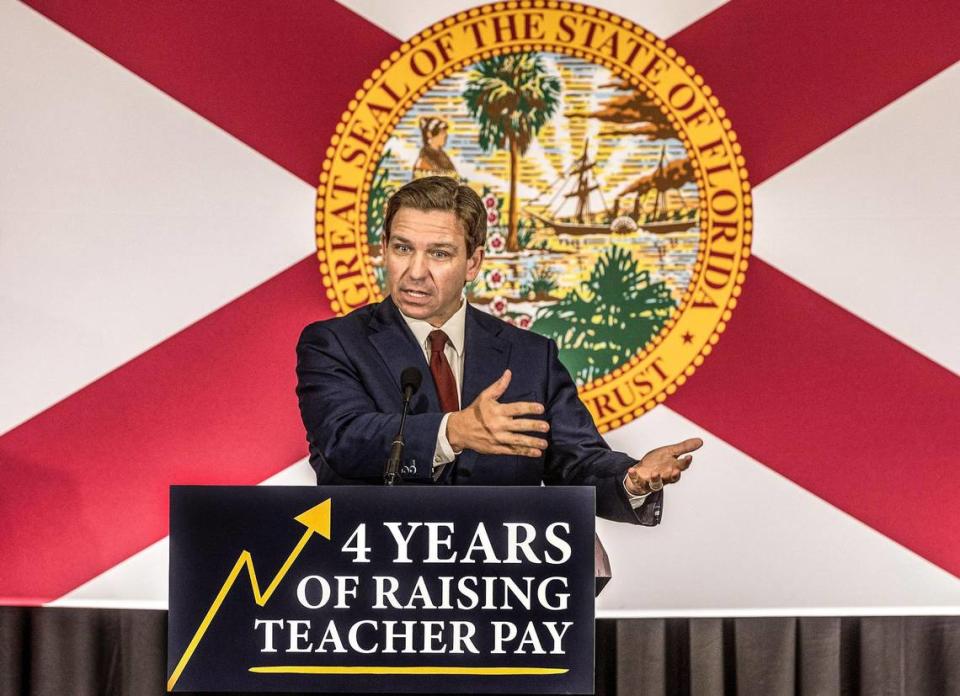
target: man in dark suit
<point>496,406</point>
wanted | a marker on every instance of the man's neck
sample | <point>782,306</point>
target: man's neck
<point>437,324</point>
<point>454,326</point>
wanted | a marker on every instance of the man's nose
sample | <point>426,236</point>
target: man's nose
<point>418,266</point>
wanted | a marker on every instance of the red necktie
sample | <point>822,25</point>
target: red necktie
<point>442,374</point>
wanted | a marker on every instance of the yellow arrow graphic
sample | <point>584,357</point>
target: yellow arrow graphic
<point>316,520</point>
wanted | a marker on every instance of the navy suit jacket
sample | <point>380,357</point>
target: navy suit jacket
<point>348,371</point>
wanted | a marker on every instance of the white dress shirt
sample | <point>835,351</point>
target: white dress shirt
<point>455,328</point>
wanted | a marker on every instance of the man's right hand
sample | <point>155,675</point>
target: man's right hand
<point>489,427</point>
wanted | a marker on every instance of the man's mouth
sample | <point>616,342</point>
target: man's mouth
<point>415,294</point>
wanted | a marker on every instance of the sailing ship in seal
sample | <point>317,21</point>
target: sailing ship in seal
<point>574,205</point>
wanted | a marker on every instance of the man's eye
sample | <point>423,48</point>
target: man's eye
<point>401,248</point>
<point>441,254</point>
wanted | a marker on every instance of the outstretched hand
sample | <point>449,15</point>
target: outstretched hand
<point>661,466</point>
<point>490,427</point>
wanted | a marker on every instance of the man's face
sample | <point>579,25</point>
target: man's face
<point>427,263</point>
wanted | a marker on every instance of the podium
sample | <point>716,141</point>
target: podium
<point>367,589</point>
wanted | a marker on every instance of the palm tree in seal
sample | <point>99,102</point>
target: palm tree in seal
<point>511,97</point>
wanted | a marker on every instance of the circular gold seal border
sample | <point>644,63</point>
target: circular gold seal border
<point>597,394</point>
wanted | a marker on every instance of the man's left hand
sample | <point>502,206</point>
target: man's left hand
<point>661,466</point>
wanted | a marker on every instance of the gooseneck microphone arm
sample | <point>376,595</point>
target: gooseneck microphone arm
<point>410,380</point>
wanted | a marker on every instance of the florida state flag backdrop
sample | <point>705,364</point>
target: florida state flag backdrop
<point>736,219</point>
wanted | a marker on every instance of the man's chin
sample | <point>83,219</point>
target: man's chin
<point>413,308</point>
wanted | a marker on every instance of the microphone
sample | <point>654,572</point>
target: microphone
<point>410,380</point>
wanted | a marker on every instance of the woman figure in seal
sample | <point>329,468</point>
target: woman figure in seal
<point>433,161</point>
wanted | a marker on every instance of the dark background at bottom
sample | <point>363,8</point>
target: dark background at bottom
<point>113,652</point>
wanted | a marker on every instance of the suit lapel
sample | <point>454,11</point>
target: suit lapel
<point>397,347</point>
<point>485,357</point>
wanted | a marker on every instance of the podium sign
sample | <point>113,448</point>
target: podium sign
<point>409,589</point>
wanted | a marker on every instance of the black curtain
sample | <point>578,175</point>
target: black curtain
<point>100,652</point>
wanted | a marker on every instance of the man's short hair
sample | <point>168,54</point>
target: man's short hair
<point>442,193</point>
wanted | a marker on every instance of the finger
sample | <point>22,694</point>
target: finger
<point>673,477</point>
<point>519,451</point>
<point>655,483</point>
<point>635,486</point>
<point>496,390</point>
<point>691,445</point>
<point>524,441</point>
<point>522,408</point>
<point>684,462</point>
<point>527,425</point>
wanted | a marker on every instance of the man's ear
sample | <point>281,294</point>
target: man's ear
<point>474,263</point>
<point>383,247</point>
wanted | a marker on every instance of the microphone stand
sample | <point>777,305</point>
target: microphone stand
<point>410,380</point>
<point>391,472</point>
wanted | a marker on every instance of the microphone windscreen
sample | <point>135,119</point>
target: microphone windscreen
<point>410,378</point>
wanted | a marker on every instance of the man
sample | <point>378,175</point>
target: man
<point>496,406</point>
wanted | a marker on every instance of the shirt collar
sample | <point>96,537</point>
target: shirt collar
<point>455,328</point>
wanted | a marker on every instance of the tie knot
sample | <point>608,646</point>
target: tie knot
<point>438,341</point>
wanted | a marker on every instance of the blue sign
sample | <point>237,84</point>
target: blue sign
<point>409,589</point>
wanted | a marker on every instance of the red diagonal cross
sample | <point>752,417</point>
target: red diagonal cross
<point>843,409</point>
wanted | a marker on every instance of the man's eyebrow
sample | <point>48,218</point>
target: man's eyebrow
<point>400,239</point>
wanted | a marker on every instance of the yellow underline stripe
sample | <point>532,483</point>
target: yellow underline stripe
<point>492,671</point>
